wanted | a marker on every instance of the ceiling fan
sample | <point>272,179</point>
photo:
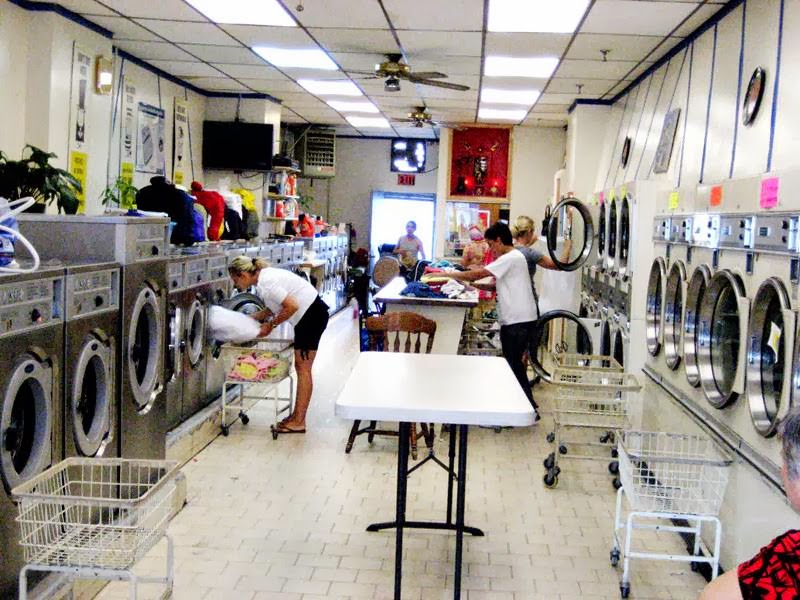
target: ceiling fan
<point>392,70</point>
<point>420,117</point>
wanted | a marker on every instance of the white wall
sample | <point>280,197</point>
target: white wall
<point>537,153</point>
<point>14,23</point>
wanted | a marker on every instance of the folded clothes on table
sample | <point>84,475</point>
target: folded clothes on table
<point>417,289</point>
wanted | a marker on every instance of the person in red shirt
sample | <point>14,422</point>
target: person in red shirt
<point>214,204</point>
<point>305,226</point>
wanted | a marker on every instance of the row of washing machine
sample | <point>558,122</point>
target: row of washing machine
<point>334,251</point>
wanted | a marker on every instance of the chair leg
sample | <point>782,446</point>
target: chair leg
<point>428,433</point>
<point>414,441</point>
<point>352,438</point>
<point>373,425</point>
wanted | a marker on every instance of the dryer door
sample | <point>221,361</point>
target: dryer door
<point>694,297</point>
<point>655,299</point>
<point>605,338</point>
<point>601,236</point>
<point>612,235</point>
<point>26,421</point>
<point>721,341</point>
<point>145,343</point>
<point>620,346</point>
<point>90,399</point>
<point>174,342</point>
<point>571,335</point>
<point>195,332</point>
<point>570,234</point>
<point>624,235</point>
<point>673,314</point>
<point>769,356</point>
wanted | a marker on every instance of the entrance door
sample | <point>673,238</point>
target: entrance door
<point>390,213</point>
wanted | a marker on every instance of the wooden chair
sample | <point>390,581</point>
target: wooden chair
<point>397,332</point>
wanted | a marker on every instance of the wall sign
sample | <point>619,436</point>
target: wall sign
<point>180,131</point>
<point>753,96</point>
<point>150,152</point>
<point>479,162</point>
<point>406,179</point>
<point>78,161</point>
<point>665,143</point>
<point>127,139</point>
<point>769,192</point>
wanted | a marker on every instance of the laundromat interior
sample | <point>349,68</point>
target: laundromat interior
<point>655,145</point>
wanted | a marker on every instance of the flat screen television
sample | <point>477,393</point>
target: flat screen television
<point>237,146</point>
<point>408,155</point>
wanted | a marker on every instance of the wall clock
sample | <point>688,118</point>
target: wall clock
<point>753,96</point>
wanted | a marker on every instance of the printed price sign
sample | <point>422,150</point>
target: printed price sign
<point>674,200</point>
<point>769,192</point>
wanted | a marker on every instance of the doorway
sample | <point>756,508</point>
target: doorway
<point>390,213</point>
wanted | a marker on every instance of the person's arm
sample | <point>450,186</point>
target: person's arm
<point>397,248</point>
<point>262,315</point>
<point>547,263</point>
<point>289,306</point>
<point>420,248</point>
<point>472,275</point>
<point>724,587</point>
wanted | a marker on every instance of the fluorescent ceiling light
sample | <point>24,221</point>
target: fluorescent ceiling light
<point>367,122</point>
<point>330,87</point>
<point>536,16</point>
<point>302,58</point>
<point>245,12</point>
<point>523,97</point>
<point>540,67</point>
<point>357,107</point>
<point>498,114</point>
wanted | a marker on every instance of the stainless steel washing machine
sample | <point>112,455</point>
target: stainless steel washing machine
<point>197,297</point>
<point>219,291</point>
<point>91,426</point>
<point>31,351</point>
<point>173,353</point>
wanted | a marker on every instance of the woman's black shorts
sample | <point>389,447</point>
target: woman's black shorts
<point>309,329</point>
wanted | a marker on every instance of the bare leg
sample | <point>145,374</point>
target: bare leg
<point>304,388</point>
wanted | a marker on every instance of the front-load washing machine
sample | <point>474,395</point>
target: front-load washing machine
<point>31,351</point>
<point>219,291</point>
<point>196,300</point>
<point>90,360</point>
<point>611,239</point>
<point>173,353</point>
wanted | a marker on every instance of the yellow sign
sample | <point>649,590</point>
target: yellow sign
<point>127,172</point>
<point>674,200</point>
<point>612,194</point>
<point>178,178</point>
<point>78,167</point>
<point>623,191</point>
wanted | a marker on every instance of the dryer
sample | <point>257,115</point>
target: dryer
<point>173,352</point>
<point>91,426</point>
<point>31,351</point>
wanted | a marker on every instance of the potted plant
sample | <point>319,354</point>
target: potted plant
<point>34,176</point>
<point>122,193</point>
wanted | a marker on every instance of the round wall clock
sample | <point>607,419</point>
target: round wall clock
<point>626,152</point>
<point>753,96</point>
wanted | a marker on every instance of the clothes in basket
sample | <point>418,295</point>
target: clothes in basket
<point>259,366</point>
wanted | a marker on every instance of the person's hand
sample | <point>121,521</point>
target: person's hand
<point>266,329</point>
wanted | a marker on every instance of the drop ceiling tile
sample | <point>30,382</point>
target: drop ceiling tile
<point>85,7</point>
<point>125,29</point>
<point>556,116</point>
<point>288,117</point>
<point>374,87</point>
<point>163,9</point>
<point>623,47</point>
<point>358,61</point>
<point>153,50</point>
<point>354,14</point>
<point>703,14</point>
<point>186,69</point>
<point>616,90</point>
<point>454,15</point>
<point>250,71</point>
<point>346,130</point>
<point>272,87</point>
<point>446,103</point>
<point>450,65</point>
<point>550,108</point>
<point>591,87</point>
<point>526,44</point>
<point>415,132</point>
<point>261,35</point>
<point>395,102</point>
<point>355,40</point>
<point>457,43</point>
<point>636,17</point>
<point>181,32</point>
<point>224,54</point>
<point>552,98</point>
<point>313,74</point>
<point>219,84</point>
<point>433,92</point>
<point>669,44</point>
<point>307,102</point>
<point>514,83</point>
<point>595,69</point>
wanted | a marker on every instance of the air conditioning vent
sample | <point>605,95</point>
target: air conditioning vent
<point>319,153</point>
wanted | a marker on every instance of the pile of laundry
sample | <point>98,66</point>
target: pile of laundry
<point>456,289</point>
<point>259,366</point>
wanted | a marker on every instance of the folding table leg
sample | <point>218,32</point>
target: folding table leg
<point>460,506</point>
<point>400,514</point>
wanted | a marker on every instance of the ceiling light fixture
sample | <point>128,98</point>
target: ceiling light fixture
<point>330,87</point>
<point>367,122</point>
<point>392,84</point>
<point>498,114</point>
<point>541,67</point>
<point>350,106</point>
<point>301,58</point>
<point>522,97</point>
<point>245,12</point>
<point>536,16</point>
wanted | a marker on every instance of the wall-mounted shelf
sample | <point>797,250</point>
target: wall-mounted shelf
<point>287,169</point>
<point>282,196</point>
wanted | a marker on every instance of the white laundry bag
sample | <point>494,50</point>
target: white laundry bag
<point>230,326</point>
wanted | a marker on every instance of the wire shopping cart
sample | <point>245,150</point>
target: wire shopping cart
<point>93,518</point>
<point>591,395</point>
<point>254,373</point>
<point>679,478</point>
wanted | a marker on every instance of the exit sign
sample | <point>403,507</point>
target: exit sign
<point>406,179</point>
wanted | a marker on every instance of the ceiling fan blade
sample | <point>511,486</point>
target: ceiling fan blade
<point>360,72</point>
<point>427,75</point>
<point>365,76</point>
<point>441,84</point>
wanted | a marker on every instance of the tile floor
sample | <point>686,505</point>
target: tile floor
<point>285,519</point>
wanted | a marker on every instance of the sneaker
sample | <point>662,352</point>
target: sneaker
<point>537,418</point>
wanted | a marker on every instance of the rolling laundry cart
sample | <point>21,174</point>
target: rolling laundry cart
<point>590,396</point>
<point>670,477</point>
<point>93,518</point>
<point>254,373</point>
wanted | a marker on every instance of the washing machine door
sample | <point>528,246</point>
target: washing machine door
<point>655,299</point>
<point>674,301</point>
<point>612,234</point>
<point>175,342</point>
<point>26,421</point>
<point>245,303</point>
<point>570,234</point>
<point>145,343</point>
<point>769,356</point>
<point>624,235</point>
<point>605,338</point>
<point>195,332</point>
<point>601,236</point>
<point>572,336</point>
<point>619,346</point>
<point>721,342</point>
<point>694,297</point>
<point>90,399</point>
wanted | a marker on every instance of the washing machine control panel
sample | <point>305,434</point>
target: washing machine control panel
<point>92,292</point>
<point>777,233</point>
<point>662,226</point>
<point>196,271</point>
<point>31,304</point>
<point>175,275</point>
<point>217,268</point>
<point>705,231</point>
<point>151,241</point>
<point>736,231</point>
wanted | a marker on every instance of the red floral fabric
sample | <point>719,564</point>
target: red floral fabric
<point>774,573</point>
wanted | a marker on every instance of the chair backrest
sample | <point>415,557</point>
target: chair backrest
<point>407,329</point>
<point>386,268</point>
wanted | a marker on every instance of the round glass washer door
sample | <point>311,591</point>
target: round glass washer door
<point>654,305</point>
<point>694,296</point>
<point>90,399</point>
<point>605,338</point>
<point>674,300</point>
<point>601,234</point>
<point>769,356</point>
<point>619,347</point>
<point>570,234</point>
<point>573,337</point>
<point>145,343</point>
<point>195,332</point>
<point>173,357</point>
<point>612,234</point>
<point>624,235</point>
<point>26,420</point>
<point>720,341</point>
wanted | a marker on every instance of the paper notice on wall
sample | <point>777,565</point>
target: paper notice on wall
<point>79,98</point>
<point>78,167</point>
<point>674,200</point>
<point>769,192</point>
<point>180,159</point>
<point>127,138</point>
<point>150,140</point>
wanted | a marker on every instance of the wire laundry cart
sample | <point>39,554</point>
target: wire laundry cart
<point>591,397</point>
<point>254,373</point>
<point>94,518</point>
<point>673,477</point>
<point>480,335</point>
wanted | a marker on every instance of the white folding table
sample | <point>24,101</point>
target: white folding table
<point>433,388</point>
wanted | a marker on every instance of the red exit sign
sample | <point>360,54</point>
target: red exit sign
<point>406,179</point>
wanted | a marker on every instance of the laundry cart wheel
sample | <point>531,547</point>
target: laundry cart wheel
<point>275,434</point>
<point>244,418</point>
<point>226,430</point>
<point>551,437</point>
<point>550,479</point>
<point>625,590</point>
<point>550,461</point>
<point>613,467</point>
<point>562,449</point>
<point>614,556</point>
<point>616,483</point>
